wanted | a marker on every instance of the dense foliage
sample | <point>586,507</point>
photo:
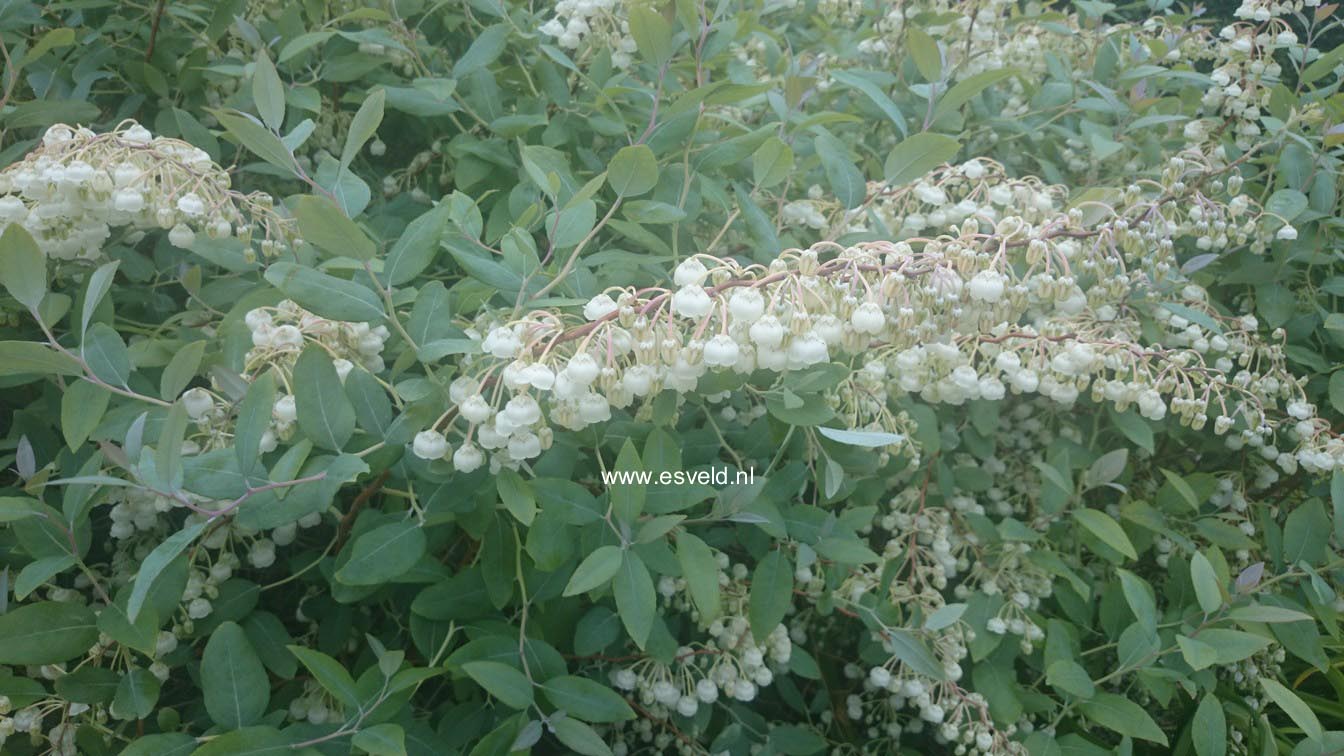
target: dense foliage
<point>335,336</point>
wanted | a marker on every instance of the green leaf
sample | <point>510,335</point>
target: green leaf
<point>325,414</point>
<point>846,182</point>
<point>918,155</point>
<point>1183,488</point>
<point>162,744</point>
<point>106,355</point>
<point>1106,529</point>
<point>516,495</point>
<point>580,738</point>
<point>39,571</point>
<point>771,593</point>
<point>385,739</point>
<point>1123,716</point>
<point>627,499</point>
<point>633,170</point>
<point>100,281</point>
<point>701,571</point>
<point>254,419</point>
<point>651,32</point>
<point>136,695</point>
<point>1197,653</point>
<point>595,570</point>
<point>155,562</point>
<point>325,295</point>
<point>416,248</point>
<point>875,93</point>
<point>1286,204</point>
<point>256,138</point>
<point>268,92</point>
<point>924,49</point>
<point>1267,614</point>
<point>1207,590</point>
<point>1139,595</point>
<point>488,45</point>
<point>588,700</point>
<point>48,632</point>
<point>914,653</point>
<point>248,741</point>
<point>233,680</point>
<point>18,508</point>
<point>1233,645</point>
<point>1294,707</point>
<point>82,408</point>
<point>141,635</point>
<point>326,227</point>
<point>1337,494</point>
<point>88,684</point>
<point>1208,731</point>
<point>384,553</point>
<point>1069,676</point>
<point>181,369</point>
<point>864,439</point>
<point>23,357</point>
<point>966,90</point>
<point>329,673</point>
<point>636,601</point>
<point>771,163</point>
<point>363,125</point>
<point>168,448</point>
<point>501,681</point>
<point>23,269</point>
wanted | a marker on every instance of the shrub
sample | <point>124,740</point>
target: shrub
<point>606,376</point>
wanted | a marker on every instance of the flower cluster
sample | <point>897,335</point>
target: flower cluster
<point>281,332</point>
<point>1018,296</point>
<point>77,186</point>
<point>593,25</point>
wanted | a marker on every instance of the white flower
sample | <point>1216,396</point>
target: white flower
<point>868,318</point>
<point>599,307</point>
<point>430,444</point>
<point>582,369</point>
<point>522,410</point>
<point>987,286</point>
<point>1287,233</point>
<point>767,332</point>
<point>137,134</point>
<point>721,351</point>
<point>286,337</point>
<point>197,402</point>
<point>468,457</point>
<point>692,301</point>
<point>128,201</point>
<point>502,342</point>
<point>746,304</point>
<point>191,205</point>
<point>181,236</point>
<point>343,367</point>
<point>475,409</point>
<point>690,272</point>
<point>285,410</point>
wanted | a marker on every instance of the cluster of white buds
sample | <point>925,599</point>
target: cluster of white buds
<point>730,663</point>
<point>974,38</point>
<point>77,186</point>
<point>281,332</point>
<point>593,25</point>
<point>315,706</point>
<point>1023,300</point>
<point>959,720</point>
<point>59,739</point>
